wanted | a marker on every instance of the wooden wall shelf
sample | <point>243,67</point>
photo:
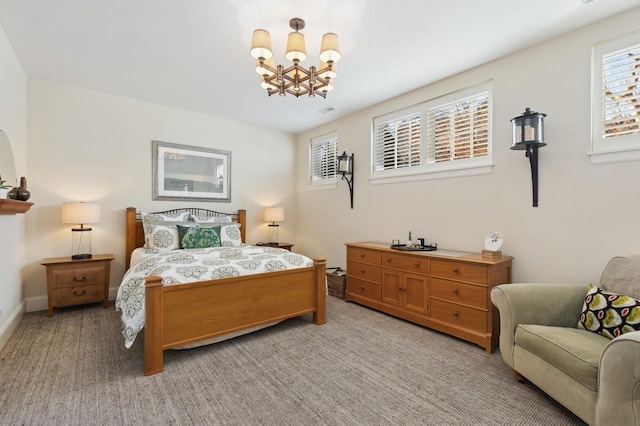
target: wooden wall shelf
<point>9,206</point>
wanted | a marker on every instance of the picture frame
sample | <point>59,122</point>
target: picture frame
<point>190,173</point>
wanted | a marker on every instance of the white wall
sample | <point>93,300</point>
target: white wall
<point>586,213</point>
<point>13,86</point>
<point>91,146</point>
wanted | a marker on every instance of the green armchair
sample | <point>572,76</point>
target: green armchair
<point>597,378</point>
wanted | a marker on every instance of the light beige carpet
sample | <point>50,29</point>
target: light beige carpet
<point>361,368</point>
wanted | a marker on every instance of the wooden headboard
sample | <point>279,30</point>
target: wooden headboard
<point>135,234</point>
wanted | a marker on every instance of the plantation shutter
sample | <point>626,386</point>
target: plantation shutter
<point>621,92</point>
<point>324,151</point>
<point>458,129</point>
<point>397,142</point>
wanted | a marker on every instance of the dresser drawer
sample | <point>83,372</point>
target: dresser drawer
<point>67,296</point>
<point>363,271</point>
<point>78,277</point>
<point>363,255</point>
<point>459,271</point>
<point>459,316</point>
<point>454,291</point>
<point>416,264</point>
<point>363,288</point>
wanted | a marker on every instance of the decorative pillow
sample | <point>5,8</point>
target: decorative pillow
<point>160,231</point>
<point>198,236</point>
<point>608,313</point>
<point>211,219</point>
<point>230,235</point>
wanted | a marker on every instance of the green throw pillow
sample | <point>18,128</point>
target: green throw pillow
<point>198,236</point>
<point>608,313</point>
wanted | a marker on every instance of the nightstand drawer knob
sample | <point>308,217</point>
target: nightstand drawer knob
<point>79,280</point>
<point>79,293</point>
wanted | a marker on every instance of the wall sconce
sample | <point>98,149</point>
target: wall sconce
<point>528,134</point>
<point>273,215</point>
<point>345,167</point>
<point>80,213</point>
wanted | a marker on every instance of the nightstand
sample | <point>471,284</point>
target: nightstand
<point>286,246</point>
<point>77,281</point>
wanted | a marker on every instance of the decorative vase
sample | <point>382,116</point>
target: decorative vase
<point>13,193</point>
<point>23,194</point>
<point>3,192</point>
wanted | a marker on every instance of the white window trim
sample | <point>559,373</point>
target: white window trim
<point>449,169</point>
<point>620,148</point>
<point>328,183</point>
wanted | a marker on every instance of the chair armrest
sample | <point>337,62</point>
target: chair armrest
<point>544,304</point>
<point>619,382</point>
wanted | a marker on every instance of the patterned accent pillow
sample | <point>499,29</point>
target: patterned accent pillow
<point>211,219</point>
<point>200,237</point>
<point>230,236</point>
<point>160,231</point>
<point>608,313</point>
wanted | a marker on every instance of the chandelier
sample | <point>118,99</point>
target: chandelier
<point>296,79</point>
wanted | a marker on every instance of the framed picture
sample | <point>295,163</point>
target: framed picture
<point>190,173</point>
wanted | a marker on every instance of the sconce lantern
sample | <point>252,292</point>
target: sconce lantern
<point>528,135</point>
<point>345,167</point>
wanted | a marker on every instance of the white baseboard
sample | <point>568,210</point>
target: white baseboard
<point>11,324</point>
<point>41,303</point>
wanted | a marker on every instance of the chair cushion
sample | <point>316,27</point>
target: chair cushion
<point>608,313</point>
<point>574,351</point>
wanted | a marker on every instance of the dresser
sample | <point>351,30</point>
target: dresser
<point>445,290</point>
<point>74,282</point>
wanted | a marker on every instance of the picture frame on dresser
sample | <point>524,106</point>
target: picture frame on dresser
<point>190,173</point>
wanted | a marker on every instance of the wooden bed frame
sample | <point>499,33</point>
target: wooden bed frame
<point>182,314</point>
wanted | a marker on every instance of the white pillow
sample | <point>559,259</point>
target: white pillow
<point>211,219</point>
<point>160,230</point>
<point>230,236</point>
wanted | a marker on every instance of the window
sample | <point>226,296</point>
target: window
<point>447,136</point>
<point>615,95</point>
<point>324,151</point>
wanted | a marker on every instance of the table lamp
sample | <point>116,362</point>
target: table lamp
<point>273,215</point>
<point>81,214</point>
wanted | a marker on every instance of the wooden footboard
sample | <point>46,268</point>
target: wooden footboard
<point>186,313</point>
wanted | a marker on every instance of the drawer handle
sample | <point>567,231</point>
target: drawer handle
<point>362,271</point>
<point>455,313</point>
<point>82,293</point>
<point>456,270</point>
<point>455,290</point>
<point>79,280</point>
<point>361,287</point>
<point>388,259</point>
<point>417,264</point>
<point>361,254</point>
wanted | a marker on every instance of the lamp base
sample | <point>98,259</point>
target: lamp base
<point>81,256</point>
<point>274,238</point>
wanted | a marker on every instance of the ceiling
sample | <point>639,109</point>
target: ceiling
<point>194,54</point>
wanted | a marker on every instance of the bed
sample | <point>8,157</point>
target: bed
<point>181,315</point>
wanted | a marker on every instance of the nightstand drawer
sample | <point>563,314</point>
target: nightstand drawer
<point>67,296</point>
<point>459,271</point>
<point>78,277</point>
<point>364,271</point>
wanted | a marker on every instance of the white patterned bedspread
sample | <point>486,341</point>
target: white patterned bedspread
<point>184,266</point>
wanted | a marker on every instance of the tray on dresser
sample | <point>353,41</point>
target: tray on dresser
<point>404,247</point>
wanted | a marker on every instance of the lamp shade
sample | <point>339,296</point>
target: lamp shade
<point>80,213</point>
<point>330,49</point>
<point>273,214</point>
<point>296,47</point>
<point>261,44</point>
